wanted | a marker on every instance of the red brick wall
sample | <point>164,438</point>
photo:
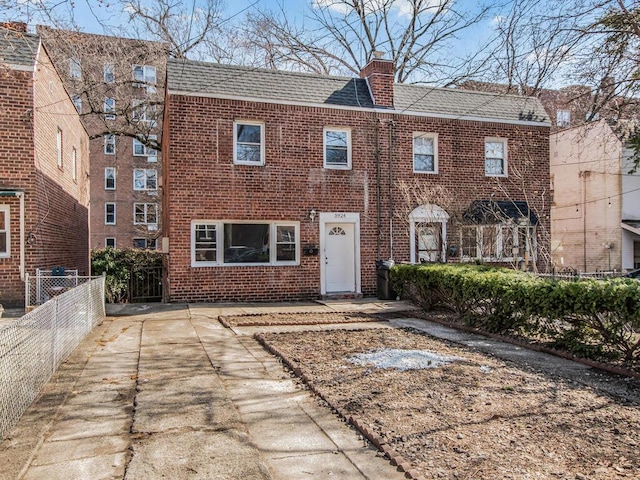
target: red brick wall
<point>202,183</point>
<point>56,205</point>
<point>16,158</point>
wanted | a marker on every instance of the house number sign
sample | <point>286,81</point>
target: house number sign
<point>339,215</point>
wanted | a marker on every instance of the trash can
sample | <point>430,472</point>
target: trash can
<point>383,269</point>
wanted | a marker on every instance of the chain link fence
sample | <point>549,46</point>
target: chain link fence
<point>33,346</point>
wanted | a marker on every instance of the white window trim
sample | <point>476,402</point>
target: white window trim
<point>324,148</point>
<point>75,68</point>
<point>106,241</point>
<point>505,160</point>
<point>107,142</point>
<point>145,82</point>
<point>530,248</point>
<point>105,213</point>
<point>147,152</point>
<point>74,164</point>
<point>434,137</point>
<point>219,224</point>
<point>59,144</point>
<point>7,223</point>
<point>428,213</point>
<point>146,213</point>
<point>109,110</point>
<point>107,67</point>
<point>114,178</point>
<point>146,178</point>
<point>235,142</point>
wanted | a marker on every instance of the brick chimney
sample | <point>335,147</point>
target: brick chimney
<point>19,27</point>
<point>379,74</point>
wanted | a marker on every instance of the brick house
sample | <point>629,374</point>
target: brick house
<point>117,85</point>
<point>284,185</point>
<point>44,167</point>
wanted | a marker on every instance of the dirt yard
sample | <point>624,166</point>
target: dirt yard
<point>455,413</point>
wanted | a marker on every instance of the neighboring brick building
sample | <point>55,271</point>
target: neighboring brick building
<point>44,167</point>
<point>291,186</point>
<point>118,86</point>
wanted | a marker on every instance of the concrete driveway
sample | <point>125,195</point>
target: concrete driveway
<point>165,391</point>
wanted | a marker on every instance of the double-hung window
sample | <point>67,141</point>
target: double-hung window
<point>145,179</point>
<point>77,102</point>
<point>110,144</point>
<point>59,147</point>
<point>141,150</point>
<point>144,243</point>
<point>248,143</point>
<point>425,153</point>
<point>216,243</point>
<point>495,157</point>
<point>5,232</point>
<point>145,213</point>
<point>142,111</point>
<point>337,148</point>
<point>109,108</point>
<point>145,77</point>
<point>75,68</point>
<point>110,178</point>
<point>109,73</point>
<point>109,213</point>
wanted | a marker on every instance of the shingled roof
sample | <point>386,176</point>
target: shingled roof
<point>17,48</point>
<point>226,81</point>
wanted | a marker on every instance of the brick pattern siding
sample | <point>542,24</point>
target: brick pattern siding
<point>56,205</point>
<point>201,182</point>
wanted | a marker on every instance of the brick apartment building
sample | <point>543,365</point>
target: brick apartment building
<point>117,85</point>
<point>44,167</point>
<point>283,185</point>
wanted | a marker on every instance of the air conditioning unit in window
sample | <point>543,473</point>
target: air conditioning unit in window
<point>152,227</point>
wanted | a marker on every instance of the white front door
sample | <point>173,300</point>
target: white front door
<point>339,257</point>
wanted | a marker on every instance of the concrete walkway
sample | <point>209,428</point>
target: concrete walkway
<point>167,392</point>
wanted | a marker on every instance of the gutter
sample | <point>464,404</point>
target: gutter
<point>20,195</point>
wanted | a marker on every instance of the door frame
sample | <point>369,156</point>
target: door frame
<point>340,217</point>
<point>428,213</point>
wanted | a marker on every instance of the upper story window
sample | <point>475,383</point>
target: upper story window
<point>5,232</point>
<point>110,144</point>
<point>109,73</point>
<point>141,150</point>
<point>145,179</point>
<point>77,102</point>
<point>145,243</point>
<point>337,148</point>
<point>110,178</point>
<point>145,76</point>
<point>143,112</point>
<point>248,143</point>
<point>425,153</point>
<point>256,243</point>
<point>74,164</point>
<point>495,157</point>
<point>109,108</point>
<point>109,213</point>
<point>563,118</point>
<point>145,213</point>
<point>110,242</point>
<point>59,147</point>
<point>75,68</point>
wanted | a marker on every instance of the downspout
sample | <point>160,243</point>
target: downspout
<point>391,125</point>
<point>22,237</point>
<point>378,189</point>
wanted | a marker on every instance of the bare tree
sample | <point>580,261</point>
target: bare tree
<point>340,36</point>
<point>188,29</point>
<point>116,83</point>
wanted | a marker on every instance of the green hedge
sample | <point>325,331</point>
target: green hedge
<point>119,265</point>
<point>599,319</point>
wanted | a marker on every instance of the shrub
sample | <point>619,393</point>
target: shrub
<point>595,318</point>
<point>118,265</point>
